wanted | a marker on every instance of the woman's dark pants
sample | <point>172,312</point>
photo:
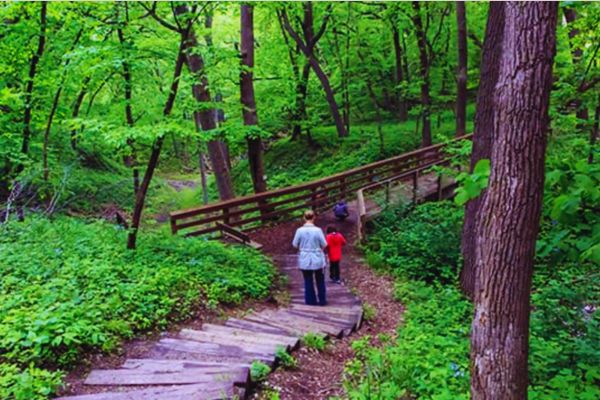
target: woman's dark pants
<point>310,278</point>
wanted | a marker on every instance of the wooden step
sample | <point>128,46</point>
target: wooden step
<point>302,324</point>
<point>288,342</point>
<point>169,348</point>
<point>163,372</point>
<point>202,391</point>
<point>254,327</point>
<point>248,345</point>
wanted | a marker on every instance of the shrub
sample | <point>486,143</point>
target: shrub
<point>314,341</point>
<point>259,371</point>
<point>68,287</point>
<point>422,244</point>
<point>286,359</point>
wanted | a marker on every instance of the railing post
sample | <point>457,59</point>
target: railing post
<point>387,193</point>
<point>343,188</point>
<point>226,216</point>
<point>314,199</point>
<point>415,186</point>
<point>439,187</point>
<point>173,226</point>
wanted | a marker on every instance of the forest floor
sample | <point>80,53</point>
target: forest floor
<point>319,375</point>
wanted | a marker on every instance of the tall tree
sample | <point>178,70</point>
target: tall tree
<point>577,54</point>
<point>205,117</point>
<point>483,135</point>
<point>461,76</point>
<point>307,46</point>
<point>130,159</point>
<point>424,64</point>
<point>398,73</point>
<point>510,213</point>
<point>35,59</point>
<point>140,197</point>
<point>249,113</point>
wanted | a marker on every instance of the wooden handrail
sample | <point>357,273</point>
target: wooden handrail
<point>243,211</point>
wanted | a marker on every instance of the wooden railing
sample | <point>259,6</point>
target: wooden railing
<point>249,212</point>
<point>440,191</point>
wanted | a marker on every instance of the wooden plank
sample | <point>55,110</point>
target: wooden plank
<point>255,327</point>
<point>303,323</point>
<point>226,340</point>
<point>203,391</point>
<point>133,377</point>
<point>286,340</point>
<point>193,350</point>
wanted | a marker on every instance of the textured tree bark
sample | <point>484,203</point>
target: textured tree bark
<point>461,76</point>
<point>399,78</point>
<point>35,59</point>
<point>249,113</point>
<point>510,213</point>
<point>595,133</point>
<point>307,47</point>
<point>424,71</point>
<point>483,135</point>
<point>140,197</point>
<point>205,119</point>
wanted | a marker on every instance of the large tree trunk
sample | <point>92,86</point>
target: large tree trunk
<point>307,46</point>
<point>205,119</point>
<point>399,78</point>
<point>424,71</point>
<point>155,154</point>
<point>510,213</point>
<point>483,135</point>
<point>249,113</point>
<point>461,76</point>
<point>28,100</point>
<point>300,106</point>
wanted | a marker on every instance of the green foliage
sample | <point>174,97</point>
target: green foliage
<point>420,244</point>
<point>314,341</point>
<point>69,287</point>
<point>369,312</point>
<point>430,357</point>
<point>30,383</point>
<point>259,371</point>
<point>286,359</point>
<point>471,185</point>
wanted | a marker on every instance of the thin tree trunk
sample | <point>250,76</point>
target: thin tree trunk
<point>424,71</point>
<point>31,78</point>
<point>581,111</point>
<point>510,213</point>
<point>205,118</point>
<point>77,106</point>
<point>405,61</point>
<point>399,78</point>
<point>140,197</point>
<point>54,107</point>
<point>129,160</point>
<point>203,182</point>
<point>307,47</point>
<point>300,107</point>
<point>483,135</point>
<point>249,113</point>
<point>461,76</point>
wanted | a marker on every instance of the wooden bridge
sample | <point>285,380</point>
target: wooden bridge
<point>214,361</point>
<point>254,211</point>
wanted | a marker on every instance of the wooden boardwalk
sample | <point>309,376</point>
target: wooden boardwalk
<point>214,362</point>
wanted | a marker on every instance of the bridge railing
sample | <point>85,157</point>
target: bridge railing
<point>249,212</point>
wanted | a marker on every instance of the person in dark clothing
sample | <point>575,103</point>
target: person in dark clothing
<point>335,241</point>
<point>340,210</point>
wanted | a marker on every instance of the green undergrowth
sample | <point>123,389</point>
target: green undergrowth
<point>68,287</point>
<point>430,357</point>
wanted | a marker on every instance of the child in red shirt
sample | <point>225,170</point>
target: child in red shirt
<point>335,241</point>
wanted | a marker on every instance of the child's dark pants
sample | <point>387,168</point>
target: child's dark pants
<point>334,270</point>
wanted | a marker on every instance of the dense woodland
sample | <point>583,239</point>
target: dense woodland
<point>113,114</point>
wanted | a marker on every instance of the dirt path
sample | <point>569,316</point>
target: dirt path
<point>320,374</point>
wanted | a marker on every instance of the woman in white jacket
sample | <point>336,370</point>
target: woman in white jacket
<point>310,240</point>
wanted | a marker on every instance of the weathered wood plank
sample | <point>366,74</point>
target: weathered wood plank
<point>228,340</point>
<point>146,376</point>
<point>255,327</point>
<point>287,341</point>
<point>204,391</point>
